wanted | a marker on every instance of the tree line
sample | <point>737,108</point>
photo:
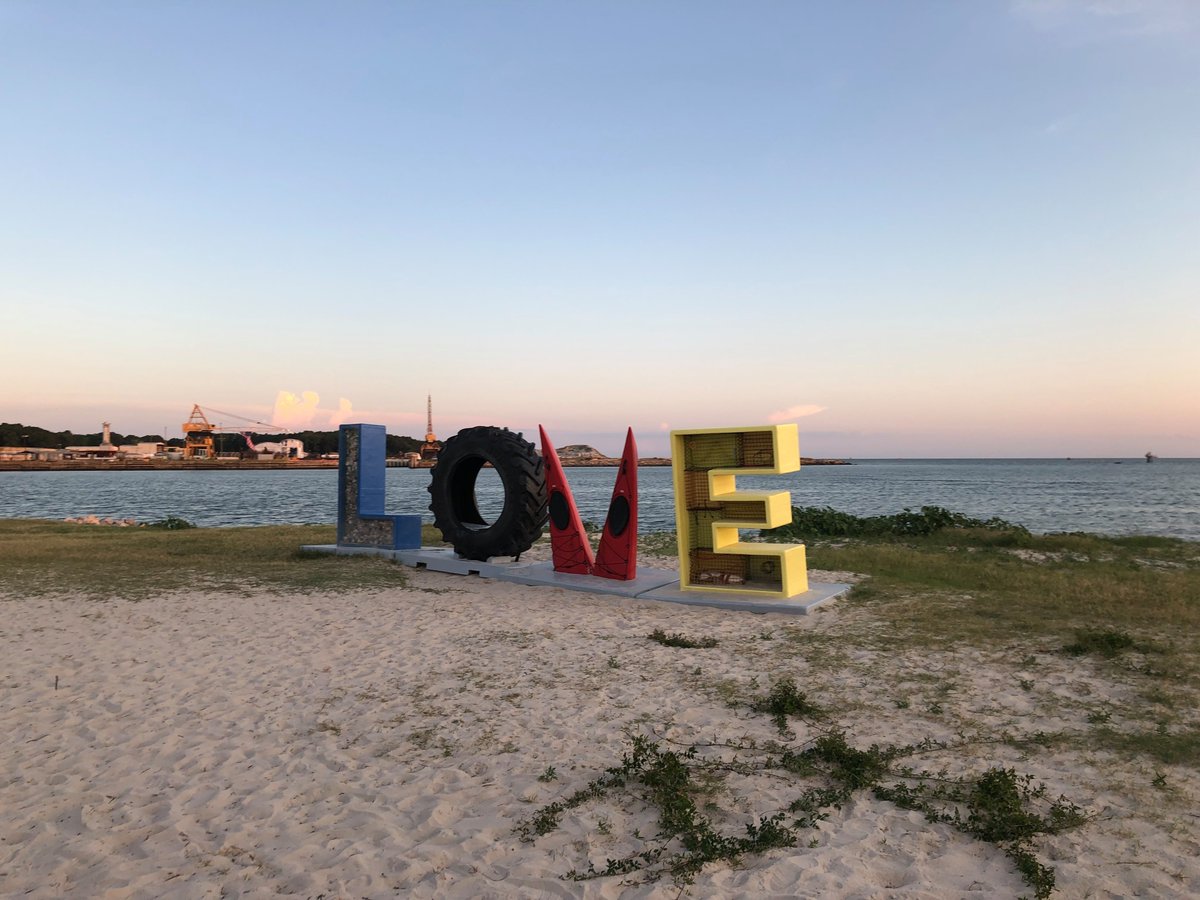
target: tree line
<point>14,434</point>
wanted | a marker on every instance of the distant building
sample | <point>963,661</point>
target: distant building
<point>101,452</point>
<point>29,454</point>
<point>142,450</point>
<point>291,448</point>
<point>106,450</point>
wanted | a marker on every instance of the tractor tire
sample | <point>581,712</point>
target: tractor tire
<point>452,493</point>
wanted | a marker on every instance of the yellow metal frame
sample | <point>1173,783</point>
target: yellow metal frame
<point>777,508</point>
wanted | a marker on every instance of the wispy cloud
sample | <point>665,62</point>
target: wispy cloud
<point>795,412</point>
<point>1062,125</point>
<point>1111,18</point>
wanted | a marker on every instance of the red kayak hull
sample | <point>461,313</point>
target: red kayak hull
<point>617,556</point>
<point>571,550</point>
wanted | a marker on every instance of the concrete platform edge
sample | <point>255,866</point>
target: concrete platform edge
<point>660,585</point>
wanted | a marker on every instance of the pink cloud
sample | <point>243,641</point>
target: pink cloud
<point>795,412</point>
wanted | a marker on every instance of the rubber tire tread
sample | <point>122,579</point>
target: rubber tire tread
<point>523,475</point>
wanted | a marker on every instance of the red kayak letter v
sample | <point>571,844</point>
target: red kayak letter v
<point>572,552</point>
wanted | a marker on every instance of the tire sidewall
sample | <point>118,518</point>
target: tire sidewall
<point>504,535</point>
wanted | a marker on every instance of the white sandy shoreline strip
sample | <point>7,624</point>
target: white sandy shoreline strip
<point>383,744</point>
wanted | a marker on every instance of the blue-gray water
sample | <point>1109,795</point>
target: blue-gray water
<point>1102,496</point>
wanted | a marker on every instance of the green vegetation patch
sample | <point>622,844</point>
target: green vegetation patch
<point>783,700</point>
<point>936,579</point>
<point>1181,747</point>
<point>998,806</point>
<point>39,558</point>
<point>171,523</point>
<point>972,582</point>
<point>679,640</point>
<point>1105,642</point>
<point>825,521</point>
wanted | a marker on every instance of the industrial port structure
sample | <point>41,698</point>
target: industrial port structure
<point>201,448</point>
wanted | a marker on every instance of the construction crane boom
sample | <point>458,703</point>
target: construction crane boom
<point>198,432</point>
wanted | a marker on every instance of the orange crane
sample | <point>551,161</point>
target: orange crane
<point>198,436</point>
<point>198,432</point>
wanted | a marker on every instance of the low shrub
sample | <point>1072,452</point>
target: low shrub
<point>825,521</point>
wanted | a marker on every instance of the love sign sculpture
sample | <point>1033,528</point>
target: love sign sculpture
<point>710,511</point>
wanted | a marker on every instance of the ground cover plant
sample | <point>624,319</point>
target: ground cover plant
<point>997,805</point>
<point>825,521</point>
<point>680,640</point>
<point>1105,642</point>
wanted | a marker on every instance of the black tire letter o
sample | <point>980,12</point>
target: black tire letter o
<point>452,493</point>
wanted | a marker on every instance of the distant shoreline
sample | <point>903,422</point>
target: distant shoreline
<point>227,465</point>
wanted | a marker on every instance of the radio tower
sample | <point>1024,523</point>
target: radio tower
<point>429,449</point>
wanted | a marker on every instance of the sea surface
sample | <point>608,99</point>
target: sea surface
<point>1103,496</point>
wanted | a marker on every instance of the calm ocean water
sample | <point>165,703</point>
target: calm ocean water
<point>1102,496</point>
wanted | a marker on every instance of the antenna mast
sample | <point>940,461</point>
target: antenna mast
<point>429,449</point>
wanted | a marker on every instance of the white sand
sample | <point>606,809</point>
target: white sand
<point>383,744</point>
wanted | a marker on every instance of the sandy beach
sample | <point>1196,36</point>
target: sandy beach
<point>386,743</point>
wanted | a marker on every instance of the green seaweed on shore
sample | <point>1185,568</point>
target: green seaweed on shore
<point>998,806</point>
<point>681,641</point>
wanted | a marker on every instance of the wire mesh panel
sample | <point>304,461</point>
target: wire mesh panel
<point>757,450</point>
<point>743,510</point>
<point>695,490</point>
<point>700,523</point>
<point>713,451</point>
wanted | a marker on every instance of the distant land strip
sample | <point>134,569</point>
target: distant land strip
<point>665,461</point>
<point>223,465</point>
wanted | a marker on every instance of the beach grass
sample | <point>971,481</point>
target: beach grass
<point>973,585</point>
<point>40,557</point>
<point>1131,603</point>
<point>944,577</point>
<point>955,585</point>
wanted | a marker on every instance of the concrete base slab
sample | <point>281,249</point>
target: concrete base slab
<point>542,573</point>
<point>750,601</point>
<point>446,560</point>
<point>651,584</point>
<point>436,559</point>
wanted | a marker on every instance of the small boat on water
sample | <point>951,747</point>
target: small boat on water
<point>1150,457</point>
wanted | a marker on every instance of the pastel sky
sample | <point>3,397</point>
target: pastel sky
<point>918,229</point>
